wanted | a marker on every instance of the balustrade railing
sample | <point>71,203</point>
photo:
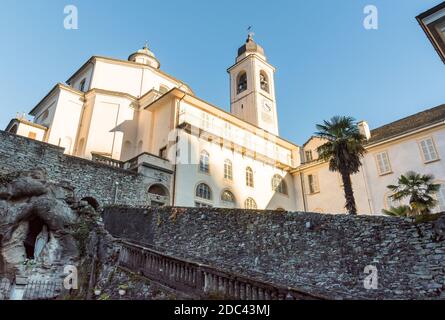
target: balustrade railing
<point>107,161</point>
<point>202,280</point>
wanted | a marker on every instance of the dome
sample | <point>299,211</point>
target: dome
<point>145,56</point>
<point>250,47</point>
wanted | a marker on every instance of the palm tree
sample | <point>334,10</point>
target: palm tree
<point>402,211</point>
<point>420,190</point>
<point>344,150</point>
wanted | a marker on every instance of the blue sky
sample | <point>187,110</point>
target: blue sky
<point>327,63</point>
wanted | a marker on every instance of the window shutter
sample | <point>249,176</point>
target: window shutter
<point>383,162</point>
<point>428,149</point>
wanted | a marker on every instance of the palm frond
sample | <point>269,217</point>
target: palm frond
<point>401,211</point>
<point>418,189</point>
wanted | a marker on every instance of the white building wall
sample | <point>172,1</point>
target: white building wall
<point>404,155</point>
<point>370,187</point>
<point>188,177</point>
<point>128,78</point>
<point>87,75</point>
<point>111,118</point>
<point>162,127</point>
<point>65,123</point>
<point>330,197</point>
<point>219,127</point>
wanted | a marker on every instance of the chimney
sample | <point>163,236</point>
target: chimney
<point>363,127</point>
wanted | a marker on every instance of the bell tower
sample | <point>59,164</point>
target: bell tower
<point>252,88</point>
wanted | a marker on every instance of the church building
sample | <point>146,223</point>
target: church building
<point>132,115</point>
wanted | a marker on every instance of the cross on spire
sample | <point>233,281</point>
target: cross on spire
<point>250,33</point>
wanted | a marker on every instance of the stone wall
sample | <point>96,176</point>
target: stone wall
<point>106,184</point>
<point>322,254</point>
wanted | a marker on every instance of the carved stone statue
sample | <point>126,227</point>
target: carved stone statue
<point>41,241</point>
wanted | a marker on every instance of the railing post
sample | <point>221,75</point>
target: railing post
<point>237,290</point>
<point>248,292</point>
<point>201,280</point>
<point>242,291</point>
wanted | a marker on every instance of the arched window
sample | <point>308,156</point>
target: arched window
<point>227,196</point>
<point>204,162</point>
<point>158,195</point>
<point>203,191</point>
<point>241,83</point>
<point>249,177</point>
<point>250,204</point>
<point>441,198</point>
<point>14,129</point>
<point>278,184</point>
<point>228,170</point>
<point>158,190</point>
<point>264,81</point>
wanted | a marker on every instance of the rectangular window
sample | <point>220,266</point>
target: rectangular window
<point>313,183</point>
<point>32,135</point>
<point>383,164</point>
<point>428,150</point>
<point>228,174</point>
<point>163,153</point>
<point>204,162</point>
<point>227,130</point>
<point>205,121</point>
<point>309,155</point>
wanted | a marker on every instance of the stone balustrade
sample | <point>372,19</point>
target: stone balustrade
<point>107,161</point>
<point>201,280</point>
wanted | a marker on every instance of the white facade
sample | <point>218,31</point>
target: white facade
<point>132,115</point>
<point>419,150</point>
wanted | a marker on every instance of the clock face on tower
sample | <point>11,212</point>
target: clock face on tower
<point>266,114</point>
<point>267,106</point>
